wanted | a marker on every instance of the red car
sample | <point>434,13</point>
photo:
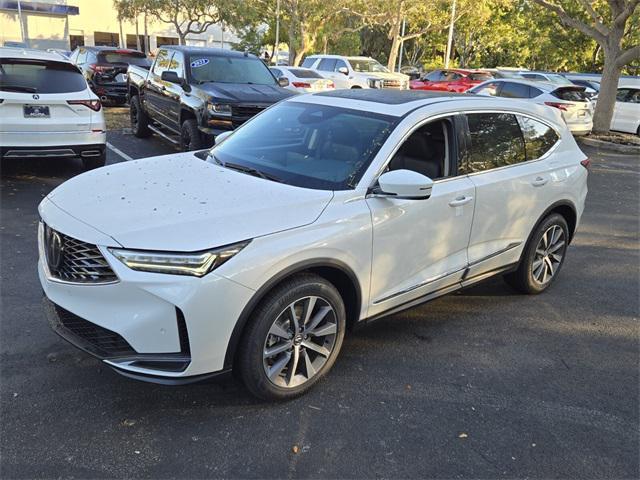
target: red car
<point>453,80</point>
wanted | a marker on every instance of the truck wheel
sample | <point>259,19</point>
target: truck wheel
<point>139,119</point>
<point>190,137</point>
<point>90,163</point>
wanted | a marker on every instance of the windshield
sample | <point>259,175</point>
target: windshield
<point>127,58</point>
<point>307,145</point>
<point>226,69</point>
<point>366,65</point>
<point>33,76</point>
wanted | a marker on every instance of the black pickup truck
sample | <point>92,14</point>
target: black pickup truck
<point>192,94</point>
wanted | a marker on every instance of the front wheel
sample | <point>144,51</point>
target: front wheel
<point>543,256</point>
<point>293,339</point>
<point>139,119</point>
<point>190,137</point>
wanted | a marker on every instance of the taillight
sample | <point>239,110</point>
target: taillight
<point>94,105</point>
<point>301,84</point>
<point>586,163</point>
<point>98,68</point>
<point>562,106</point>
<point>331,85</point>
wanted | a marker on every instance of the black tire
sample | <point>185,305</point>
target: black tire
<point>528,278</point>
<point>190,136</point>
<point>356,87</point>
<point>90,163</point>
<point>251,364</point>
<point>139,119</point>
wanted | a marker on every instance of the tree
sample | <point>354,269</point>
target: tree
<point>606,23</point>
<point>130,10</point>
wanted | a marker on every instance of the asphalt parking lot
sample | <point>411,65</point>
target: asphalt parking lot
<point>481,384</point>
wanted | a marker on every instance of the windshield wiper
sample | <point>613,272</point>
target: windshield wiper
<point>244,169</point>
<point>19,88</point>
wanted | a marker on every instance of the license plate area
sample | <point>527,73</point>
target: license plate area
<point>36,111</point>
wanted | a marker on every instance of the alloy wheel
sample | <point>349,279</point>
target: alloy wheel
<point>300,342</point>
<point>549,254</point>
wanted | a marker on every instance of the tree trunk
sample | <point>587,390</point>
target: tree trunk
<point>608,89</point>
<point>182,36</point>
<point>138,46</point>
<point>146,36</point>
<point>394,35</point>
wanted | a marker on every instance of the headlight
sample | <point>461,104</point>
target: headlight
<point>375,83</point>
<point>221,109</point>
<point>196,264</point>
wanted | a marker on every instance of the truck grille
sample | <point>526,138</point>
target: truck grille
<point>73,260</point>
<point>242,113</point>
<point>392,84</point>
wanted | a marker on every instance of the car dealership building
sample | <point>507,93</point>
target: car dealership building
<point>66,24</point>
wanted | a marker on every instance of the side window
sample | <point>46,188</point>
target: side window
<point>308,62</point>
<point>451,76</point>
<point>426,151</point>
<point>327,64</point>
<point>91,57</point>
<point>496,141</point>
<point>538,137</point>
<point>634,96</point>
<point>514,90</point>
<point>73,58</point>
<point>488,89</point>
<point>340,63</point>
<point>434,76</point>
<point>622,94</point>
<point>534,92</point>
<point>177,64</point>
<point>277,72</point>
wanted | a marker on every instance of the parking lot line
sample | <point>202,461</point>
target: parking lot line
<point>119,152</point>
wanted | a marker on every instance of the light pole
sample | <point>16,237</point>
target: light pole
<point>450,39</point>
<point>404,23</point>
<point>21,23</point>
<point>277,45</point>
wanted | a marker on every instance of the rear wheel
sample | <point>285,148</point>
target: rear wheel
<point>139,119</point>
<point>293,339</point>
<point>190,137</point>
<point>89,163</point>
<point>543,256</point>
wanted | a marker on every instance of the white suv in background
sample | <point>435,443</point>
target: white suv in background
<point>356,72</point>
<point>323,211</point>
<point>47,110</point>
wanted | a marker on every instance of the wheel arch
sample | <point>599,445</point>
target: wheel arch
<point>563,207</point>
<point>186,114</point>
<point>339,274</point>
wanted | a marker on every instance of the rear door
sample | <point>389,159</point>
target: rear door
<point>506,159</point>
<point>36,97</point>
<point>627,110</point>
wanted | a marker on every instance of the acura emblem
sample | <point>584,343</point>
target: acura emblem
<point>54,250</point>
<point>36,97</point>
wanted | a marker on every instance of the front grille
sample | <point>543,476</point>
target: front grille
<point>392,84</point>
<point>75,261</point>
<point>242,113</point>
<point>97,340</point>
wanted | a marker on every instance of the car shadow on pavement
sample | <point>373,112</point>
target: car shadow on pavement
<point>40,168</point>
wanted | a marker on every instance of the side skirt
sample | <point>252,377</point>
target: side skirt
<point>466,282</point>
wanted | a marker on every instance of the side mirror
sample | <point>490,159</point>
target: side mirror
<point>220,138</point>
<point>171,77</point>
<point>405,184</point>
<point>343,70</point>
<point>283,81</point>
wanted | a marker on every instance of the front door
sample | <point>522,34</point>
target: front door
<point>420,246</point>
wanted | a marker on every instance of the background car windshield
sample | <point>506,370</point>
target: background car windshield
<point>222,69</point>
<point>310,146</point>
<point>40,77</point>
<point>128,58</point>
<point>365,65</point>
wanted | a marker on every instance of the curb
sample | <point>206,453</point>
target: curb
<point>615,147</point>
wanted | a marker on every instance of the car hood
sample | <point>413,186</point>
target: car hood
<point>181,203</point>
<point>386,75</point>
<point>244,93</point>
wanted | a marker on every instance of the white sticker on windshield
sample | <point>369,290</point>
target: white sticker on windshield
<point>200,62</point>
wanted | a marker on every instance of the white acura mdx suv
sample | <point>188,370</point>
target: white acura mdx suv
<point>322,212</point>
<point>47,110</point>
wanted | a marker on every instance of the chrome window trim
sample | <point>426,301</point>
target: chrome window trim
<point>465,112</point>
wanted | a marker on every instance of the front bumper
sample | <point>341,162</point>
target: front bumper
<point>154,325</point>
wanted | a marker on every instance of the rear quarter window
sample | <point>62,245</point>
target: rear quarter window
<point>570,94</point>
<point>308,62</point>
<point>40,76</point>
<point>538,137</point>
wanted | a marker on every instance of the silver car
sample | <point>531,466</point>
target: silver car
<point>576,109</point>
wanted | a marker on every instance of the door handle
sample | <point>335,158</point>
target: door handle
<point>539,182</point>
<point>460,201</point>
